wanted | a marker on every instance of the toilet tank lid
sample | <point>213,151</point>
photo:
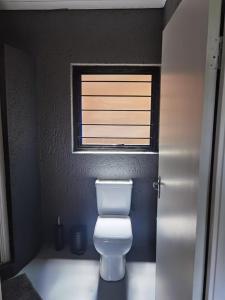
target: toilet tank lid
<point>128,182</point>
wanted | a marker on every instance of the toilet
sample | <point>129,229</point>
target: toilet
<point>113,232</point>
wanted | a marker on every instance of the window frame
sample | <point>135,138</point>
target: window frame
<point>79,70</point>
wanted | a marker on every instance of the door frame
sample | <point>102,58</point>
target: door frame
<point>4,127</point>
<point>211,75</point>
<point>0,290</point>
<point>216,259</point>
<point>4,220</point>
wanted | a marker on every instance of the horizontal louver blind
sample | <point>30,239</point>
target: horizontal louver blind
<point>116,109</point>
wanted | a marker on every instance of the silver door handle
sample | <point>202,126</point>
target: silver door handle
<point>157,186</point>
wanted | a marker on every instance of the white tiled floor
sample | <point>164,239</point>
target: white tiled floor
<point>78,279</point>
<point>141,281</point>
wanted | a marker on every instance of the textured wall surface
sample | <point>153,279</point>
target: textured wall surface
<point>23,155</point>
<point>67,180</point>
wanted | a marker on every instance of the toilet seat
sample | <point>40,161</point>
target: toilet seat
<point>113,228</point>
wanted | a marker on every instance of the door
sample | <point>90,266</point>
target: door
<point>17,93</point>
<point>189,71</point>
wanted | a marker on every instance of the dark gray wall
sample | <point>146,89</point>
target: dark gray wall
<point>67,180</point>
<point>169,9</point>
<point>23,155</point>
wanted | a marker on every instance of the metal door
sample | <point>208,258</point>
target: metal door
<point>189,70</point>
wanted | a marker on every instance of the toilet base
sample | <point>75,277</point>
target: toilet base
<point>112,268</point>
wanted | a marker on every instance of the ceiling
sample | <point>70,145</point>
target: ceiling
<point>79,4</point>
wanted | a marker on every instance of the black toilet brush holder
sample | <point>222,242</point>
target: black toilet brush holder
<point>59,235</point>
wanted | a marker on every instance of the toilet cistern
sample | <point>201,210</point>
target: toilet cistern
<point>113,232</point>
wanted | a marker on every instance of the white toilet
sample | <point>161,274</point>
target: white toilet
<point>113,233</point>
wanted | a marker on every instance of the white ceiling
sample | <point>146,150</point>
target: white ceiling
<point>79,4</point>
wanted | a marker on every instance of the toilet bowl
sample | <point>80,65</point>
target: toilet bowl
<point>113,240</point>
<point>113,232</point>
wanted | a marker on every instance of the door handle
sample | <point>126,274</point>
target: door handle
<point>157,186</point>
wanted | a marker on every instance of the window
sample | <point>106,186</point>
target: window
<point>115,108</point>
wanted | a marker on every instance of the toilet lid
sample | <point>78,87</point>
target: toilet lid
<point>113,227</point>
